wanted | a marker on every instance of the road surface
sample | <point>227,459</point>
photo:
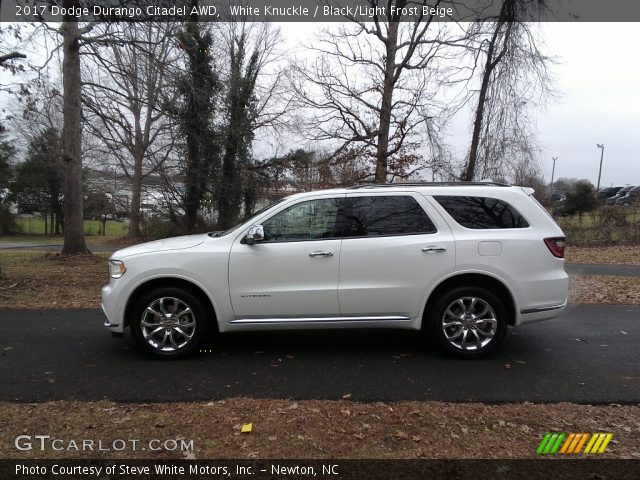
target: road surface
<point>589,355</point>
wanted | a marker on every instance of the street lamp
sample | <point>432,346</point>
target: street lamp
<point>553,170</point>
<point>601,147</point>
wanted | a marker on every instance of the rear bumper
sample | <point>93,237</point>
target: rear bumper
<point>543,294</point>
<point>538,314</point>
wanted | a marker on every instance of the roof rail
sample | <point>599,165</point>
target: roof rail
<point>429,184</point>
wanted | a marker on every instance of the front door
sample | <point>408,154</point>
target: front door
<point>293,272</point>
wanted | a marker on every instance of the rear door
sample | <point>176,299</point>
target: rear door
<point>395,247</point>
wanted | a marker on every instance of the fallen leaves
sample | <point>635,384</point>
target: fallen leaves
<point>604,289</point>
<point>612,255</point>
<point>32,279</point>
<point>319,429</point>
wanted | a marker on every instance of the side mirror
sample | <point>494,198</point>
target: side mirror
<point>255,234</point>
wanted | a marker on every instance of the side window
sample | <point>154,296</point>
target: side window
<point>381,216</point>
<point>310,220</point>
<point>482,212</point>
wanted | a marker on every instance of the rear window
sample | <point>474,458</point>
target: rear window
<point>378,216</point>
<point>481,212</point>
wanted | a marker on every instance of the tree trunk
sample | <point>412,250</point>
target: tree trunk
<point>489,66</point>
<point>72,137</point>
<point>229,205</point>
<point>134,214</point>
<point>58,218</point>
<point>136,190</point>
<point>385,107</point>
<point>477,123</point>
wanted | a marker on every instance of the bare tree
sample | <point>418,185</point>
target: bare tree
<point>73,38</point>
<point>10,56</point>
<point>514,78</point>
<point>9,53</point>
<point>72,135</point>
<point>373,83</point>
<point>127,87</point>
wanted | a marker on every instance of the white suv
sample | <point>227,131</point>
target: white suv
<point>460,261</point>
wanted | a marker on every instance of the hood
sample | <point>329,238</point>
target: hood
<point>175,243</point>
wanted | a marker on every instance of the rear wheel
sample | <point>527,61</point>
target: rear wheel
<point>468,322</point>
<point>169,322</point>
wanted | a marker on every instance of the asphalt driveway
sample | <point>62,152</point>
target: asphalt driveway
<point>588,355</point>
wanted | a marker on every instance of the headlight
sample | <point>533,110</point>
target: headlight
<point>116,268</point>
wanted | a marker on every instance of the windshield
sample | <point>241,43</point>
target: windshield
<point>246,219</point>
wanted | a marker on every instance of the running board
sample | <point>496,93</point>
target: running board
<point>272,321</point>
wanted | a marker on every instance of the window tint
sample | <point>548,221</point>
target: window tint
<point>378,216</point>
<point>311,220</point>
<point>482,212</point>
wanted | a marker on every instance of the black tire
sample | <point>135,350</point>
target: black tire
<point>176,331</point>
<point>446,339</point>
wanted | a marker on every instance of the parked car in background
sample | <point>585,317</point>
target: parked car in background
<point>608,192</point>
<point>621,193</point>
<point>462,262</point>
<point>632,197</point>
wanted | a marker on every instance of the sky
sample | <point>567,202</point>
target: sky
<point>599,80</point>
<point>597,77</point>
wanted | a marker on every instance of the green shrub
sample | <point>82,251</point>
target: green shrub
<point>158,227</point>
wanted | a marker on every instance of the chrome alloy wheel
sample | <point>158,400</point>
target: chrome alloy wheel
<point>168,324</point>
<point>469,323</point>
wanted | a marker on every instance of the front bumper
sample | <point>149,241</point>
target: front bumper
<point>111,308</point>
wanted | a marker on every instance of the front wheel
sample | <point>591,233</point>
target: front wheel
<point>169,322</point>
<point>468,322</point>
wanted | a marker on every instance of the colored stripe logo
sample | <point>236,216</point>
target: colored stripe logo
<point>573,443</point>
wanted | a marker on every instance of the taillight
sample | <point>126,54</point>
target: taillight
<point>555,246</point>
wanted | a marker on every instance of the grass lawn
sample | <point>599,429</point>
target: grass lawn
<point>590,219</point>
<point>59,239</point>
<point>35,226</point>
<point>320,429</point>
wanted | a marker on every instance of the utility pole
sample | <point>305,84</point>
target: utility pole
<point>601,147</point>
<point>553,171</point>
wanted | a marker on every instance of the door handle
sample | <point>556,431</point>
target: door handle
<point>432,248</point>
<point>320,253</point>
